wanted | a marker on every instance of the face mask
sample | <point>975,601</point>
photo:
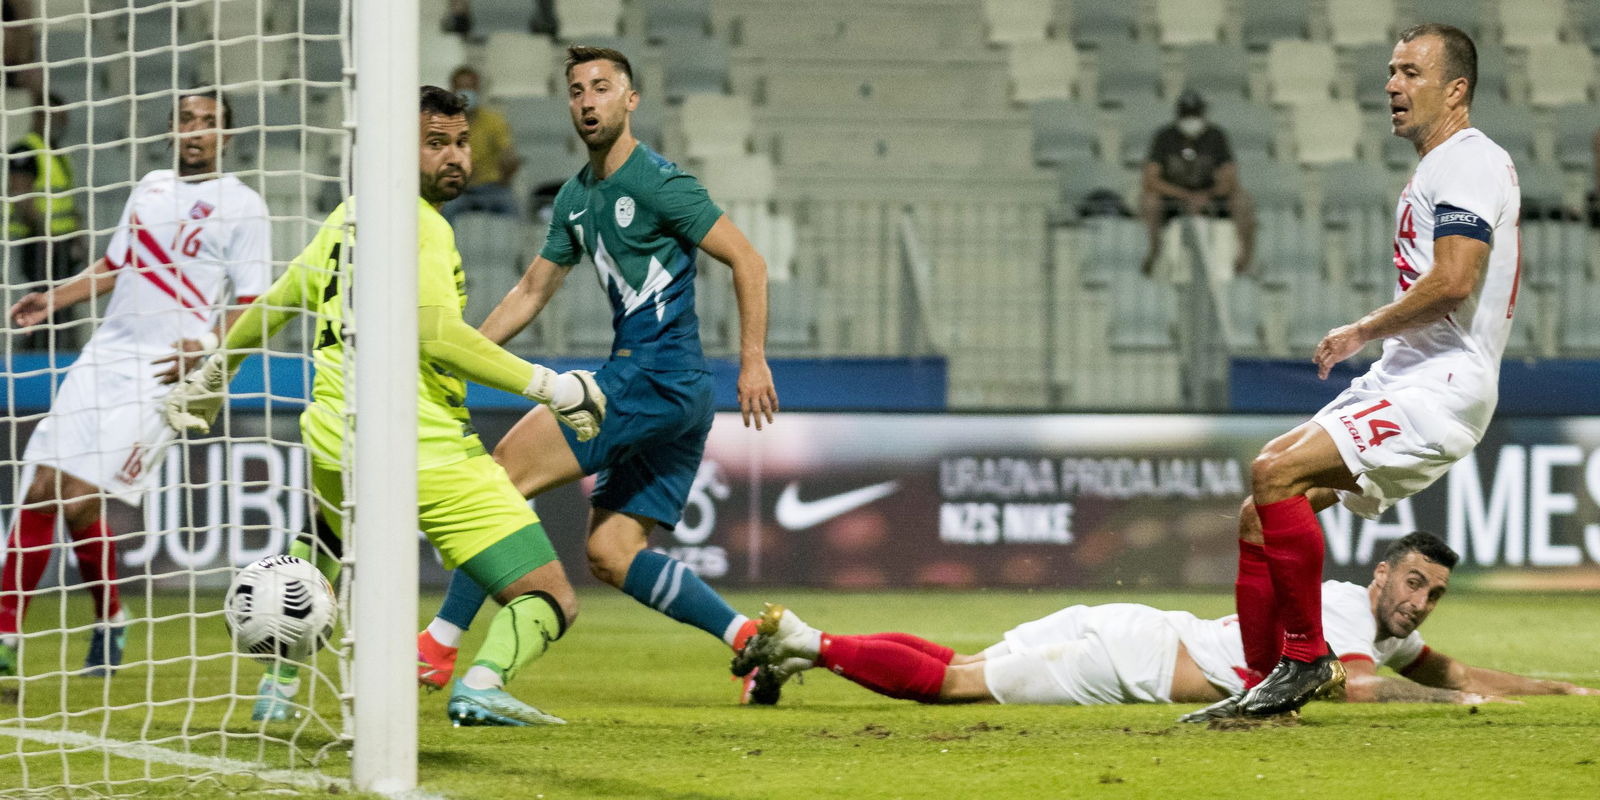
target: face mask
<point>1191,126</point>
<point>471,96</point>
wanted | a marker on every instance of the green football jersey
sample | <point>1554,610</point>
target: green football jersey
<point>641,226</point>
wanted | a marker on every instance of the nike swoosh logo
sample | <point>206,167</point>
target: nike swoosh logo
<point>574,215</point>
<point>796,514</point>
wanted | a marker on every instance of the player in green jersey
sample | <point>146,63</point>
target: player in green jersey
<point>467,506</point>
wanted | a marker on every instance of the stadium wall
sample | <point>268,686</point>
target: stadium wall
<point>863,501</point>
<point>1544,387</point>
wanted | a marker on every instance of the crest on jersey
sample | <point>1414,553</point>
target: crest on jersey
<point>201,210</point>
<point>624,211</point>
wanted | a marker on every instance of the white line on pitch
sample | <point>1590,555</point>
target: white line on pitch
<point>140,751</point>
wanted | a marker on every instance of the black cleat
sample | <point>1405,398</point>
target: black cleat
<point>1292,684</point>
<point>1226,708</point>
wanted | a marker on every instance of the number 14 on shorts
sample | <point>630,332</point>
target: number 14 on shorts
<point>1378,428</point>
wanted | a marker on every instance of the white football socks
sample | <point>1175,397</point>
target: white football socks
<point>445,633</point>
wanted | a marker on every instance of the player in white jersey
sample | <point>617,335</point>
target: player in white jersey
<point>1420,408</point>
<point>192,248</point>
<point>1127,653</point>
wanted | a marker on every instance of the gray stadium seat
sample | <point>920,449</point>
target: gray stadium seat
<point>1464,14</point>
<point>1265,20</point>
<point>1252,128</point>
<point>1358,22</point>
<point>1494,73</point>
<point>1144,312</point>
<point>1244,304</point>
<point>1042,70</point>
<point>1565,74</point>
<point>1543,190</point>
<point>1575,127</point>
<point>1017,20</point>
<point>1580,316</point>
<point>1064,130</point>
<point>1368,70</point>
<point>695,66</point>
<point>1081,176</point>
<point>1181,22</point>
<point>1318,305</point>
<point>1509,126</point>
<point>1139,119</point>
<point>1356,199</point>
<point>1553,252</point>
<point>1300,72</point>
<point>1104,24</point>
<point>675,20</point>
<point>542,119</point>
<point>544,161</point>
<point>489,16</point>
<point>584,20</point>
<point>585,311</point>
<point>793,308</point>
<point>1532,23</point>
<point>1113,246</point>
<point>1288,244</point>
<point>1217,69</point>
<point>1130,71</point>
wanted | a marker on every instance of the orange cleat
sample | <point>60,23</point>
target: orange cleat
<point>435,662</point>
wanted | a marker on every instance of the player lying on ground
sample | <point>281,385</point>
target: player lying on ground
<point>191,242</point>
<point>1127,653</point>
<point>467,505</point>
<point>641,219</point>
<point>1427,400</point>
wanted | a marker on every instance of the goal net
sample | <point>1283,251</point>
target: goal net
<point>100,511</point>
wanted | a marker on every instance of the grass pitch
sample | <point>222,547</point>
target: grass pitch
<point>653,715</point>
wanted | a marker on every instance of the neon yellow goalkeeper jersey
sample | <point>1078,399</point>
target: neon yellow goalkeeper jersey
<point>444,430</point>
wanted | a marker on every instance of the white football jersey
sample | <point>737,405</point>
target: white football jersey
<point>183,251</point>
<point>1466,183</point>
<point>1347,625</point>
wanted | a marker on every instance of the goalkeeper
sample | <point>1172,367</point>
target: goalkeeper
<point>467,506</point>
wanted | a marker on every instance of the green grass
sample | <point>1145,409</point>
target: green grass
<point>653,715</point>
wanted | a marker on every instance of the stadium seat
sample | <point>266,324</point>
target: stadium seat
<point>586,313</point>
<point>1318,305</point>
<point>1367,73</point>
<point>1565,74</point>
<point>1252,128</point>
<point>1263,21</point>
<point>1043,70</point>
<point>1139,119</point>
<point>1113,246</point>
<point>1300,72</point>
<point>1011,21</point>
<point>1544,190</point>
<point>1216,69</point>
<point>494,16</point>
<point>1144,312</point>
<point>1575,127</point>
<point>520,64</point>
<point>1468,15</point>
<point>676,20</point>
<point>443,53</point>
<point>1356,200</point>
<point>1079,177</point>
<point>696,66</point>
<point>1358,22</point>
<point>1181,22</point>
<point>1130,71</point>
<point>537,118</point>
<point>1103,24</point>
<point>737,177</point>
<point>1580,316</point>
<point>491,259</point>
<point>1064,130</point>
<point>1243,303</point>
<point>544,161</point>
<point>1494,72</point>
<point>715,124</point>
<point>792,316</point>
<point>1553,251</point>
<point>649,122</point>
<point>1326,131</point>
<point>582,20</point>
<point>1288,243</point>
<point>1506,124</point>
<point>1531,23</point>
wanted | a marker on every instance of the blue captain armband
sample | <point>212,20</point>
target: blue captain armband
<point>1449,220</point>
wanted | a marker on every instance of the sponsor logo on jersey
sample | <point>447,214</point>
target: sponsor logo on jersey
<point>624,211</point>
<point>575,214</point>
<point>201,210</point>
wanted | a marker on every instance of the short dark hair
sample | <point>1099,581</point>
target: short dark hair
<point>1429,545</point>
<point>215,95</point>
<point>582,54</point>
<point>443,102</point>
<point>1460,54</point>
<point>464,69</point>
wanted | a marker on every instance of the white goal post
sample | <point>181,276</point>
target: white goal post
<point>323,105</point>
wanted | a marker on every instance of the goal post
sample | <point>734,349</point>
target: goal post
<point>384,592</point>
<point>323,106</point>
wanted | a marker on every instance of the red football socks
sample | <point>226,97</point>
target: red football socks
<point>886,667</point>
<point>97,563</point>
<point>747,630</point>
<point>1258,612</point>
<point>939,651</point>
<point>1294,549</point>
<point>27,554</point>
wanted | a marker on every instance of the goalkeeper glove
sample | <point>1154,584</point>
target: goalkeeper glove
<point>573,397</point>
<point>193,404</point>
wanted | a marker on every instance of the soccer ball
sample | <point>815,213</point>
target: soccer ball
<point>280,607</point>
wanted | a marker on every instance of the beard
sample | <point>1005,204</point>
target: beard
<point>435,190</point>
<point>603,137</point>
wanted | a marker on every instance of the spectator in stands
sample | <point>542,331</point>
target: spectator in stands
<point>494,154</point>
<point>1190,170</point>
<point>20,46</point>
<point>40,168</point>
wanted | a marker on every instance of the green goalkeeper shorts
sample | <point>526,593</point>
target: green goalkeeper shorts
<point>470,511</point>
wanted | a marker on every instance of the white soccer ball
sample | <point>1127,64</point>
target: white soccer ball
<point>280,607</point>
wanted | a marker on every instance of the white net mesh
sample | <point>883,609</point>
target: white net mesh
<point>94,91</point>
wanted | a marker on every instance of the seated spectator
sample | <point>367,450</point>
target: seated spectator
<point>1190,170</point>
<point>41,180</point>
<point>494,154</point>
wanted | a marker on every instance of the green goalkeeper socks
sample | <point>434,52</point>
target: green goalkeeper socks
<point>520,633</point>
<point>326,563</point>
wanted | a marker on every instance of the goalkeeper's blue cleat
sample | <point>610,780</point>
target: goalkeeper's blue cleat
<point>474,707</point>
<point>8,660</point>
<point>105,650</point>
<point>275,700</point>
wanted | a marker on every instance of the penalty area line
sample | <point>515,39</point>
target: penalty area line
<point>140,751</point>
